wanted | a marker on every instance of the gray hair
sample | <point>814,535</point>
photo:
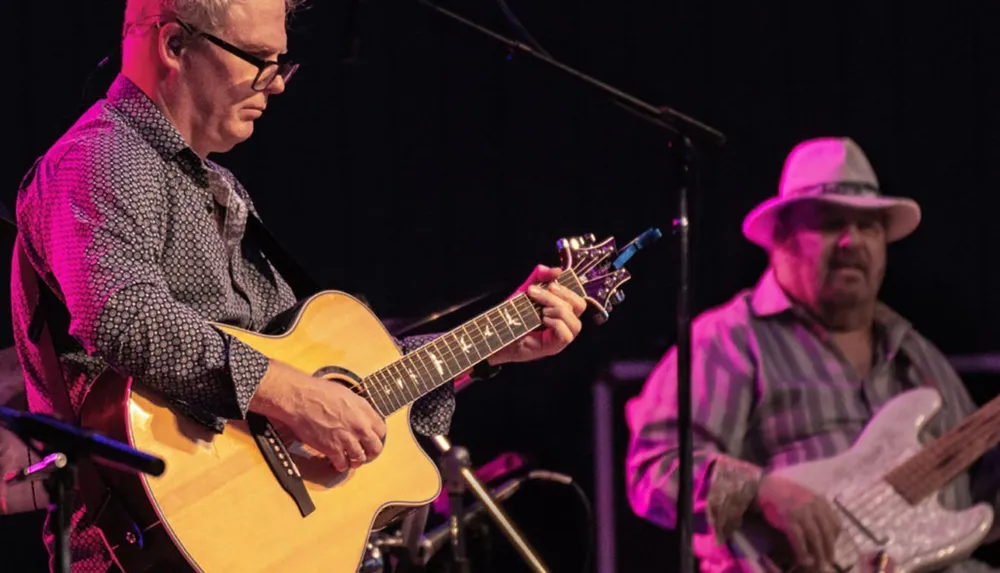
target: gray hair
<point>203,14</point>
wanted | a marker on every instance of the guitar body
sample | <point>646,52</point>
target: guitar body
<point>248,501</point>
<point>873,516</point>
<point>219,506</point>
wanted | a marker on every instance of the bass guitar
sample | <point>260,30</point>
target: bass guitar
<point>885,488</point>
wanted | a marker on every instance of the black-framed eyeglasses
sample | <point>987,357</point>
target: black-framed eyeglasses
<point>267,71</point>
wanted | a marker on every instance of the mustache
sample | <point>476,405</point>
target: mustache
<point>848,260</point>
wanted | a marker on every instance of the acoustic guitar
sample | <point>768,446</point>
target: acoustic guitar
<point>249,500</point>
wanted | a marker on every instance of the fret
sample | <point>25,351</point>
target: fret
<point>476,341</point>
<point>422,371</point>
<point>439,361</point>
<point>487,334</point>
<point>944,458</point>
<point>385,375</point>
<point>376,395</point>
<point>449,354</point>
<point>383,389</point>
<point>399,378</point>
<point>467,343</point>
<point>529,314</point>
<point>423,368</point>
<point>412,375</point>
<point>512,319</point>
<point>399,395</point>
<point>448,366</point>
<point>504,332</point>
<point>479,342</point>
<point>455,355</point>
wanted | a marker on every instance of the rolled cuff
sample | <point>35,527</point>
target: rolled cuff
<point>731,491</point>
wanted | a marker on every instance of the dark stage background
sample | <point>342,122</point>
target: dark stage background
<point>435,168</point>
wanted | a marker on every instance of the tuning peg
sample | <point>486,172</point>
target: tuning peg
<point>590,238</point>
<point>618,298</point>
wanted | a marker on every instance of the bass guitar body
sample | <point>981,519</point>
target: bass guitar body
<point>219,502</point>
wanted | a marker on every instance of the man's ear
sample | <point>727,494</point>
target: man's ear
<point>171,42</point>
<point>174,44</point>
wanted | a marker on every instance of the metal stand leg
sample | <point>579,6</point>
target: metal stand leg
<point>604,476</point>
<point>501,519</point>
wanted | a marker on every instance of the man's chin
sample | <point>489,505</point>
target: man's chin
<point>845,296</point>
<point>235,135</point>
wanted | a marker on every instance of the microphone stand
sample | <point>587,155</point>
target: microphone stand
<point>683,132</point>
<point>65,446</point>
<point>456,461</point>
<point>453,462</point>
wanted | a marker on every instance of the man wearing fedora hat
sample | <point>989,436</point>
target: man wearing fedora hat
<point>793,370</point>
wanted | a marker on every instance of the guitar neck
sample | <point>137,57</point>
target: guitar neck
<point>949,455</point>
<point>422,371</point>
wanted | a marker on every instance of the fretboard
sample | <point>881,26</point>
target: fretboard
<point>946,457</point>
<point>422,371</point>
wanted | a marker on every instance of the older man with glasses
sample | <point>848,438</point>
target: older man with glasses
<point>144,241</point>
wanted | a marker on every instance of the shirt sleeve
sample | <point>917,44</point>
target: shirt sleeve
<point>101,235</point>
<point>722,389</point>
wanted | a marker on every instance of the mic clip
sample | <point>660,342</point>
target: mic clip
<point>38,471</point>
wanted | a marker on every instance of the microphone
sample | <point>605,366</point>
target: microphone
<point>73,442</point>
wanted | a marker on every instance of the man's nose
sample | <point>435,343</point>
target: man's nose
<point>849,236</point>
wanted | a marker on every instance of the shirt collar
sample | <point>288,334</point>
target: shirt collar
<point>768,299</point>
<point>150,122</point>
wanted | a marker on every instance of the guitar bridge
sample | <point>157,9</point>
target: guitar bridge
<point>280,461</point>
<point>880,541</point>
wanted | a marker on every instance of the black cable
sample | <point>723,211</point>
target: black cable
<point>587,507</point>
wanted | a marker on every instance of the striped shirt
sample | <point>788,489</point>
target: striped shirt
<point>769,390</point>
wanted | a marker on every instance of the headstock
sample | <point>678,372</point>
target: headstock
<point>591,262</point>
<point>599,267</point>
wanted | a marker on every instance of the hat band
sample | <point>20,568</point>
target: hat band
<point>851,188</point>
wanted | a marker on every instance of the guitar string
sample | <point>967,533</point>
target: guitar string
<point>920,474</point>
<point>872,503</point>
<point>916,475</point>
<point>568,279</point>
<point>521,304</point>
<point>478,340</point>
<point>912,478</point>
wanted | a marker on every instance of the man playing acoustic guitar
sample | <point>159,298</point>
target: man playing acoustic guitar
<point>792,371</point>
<point>145,241</point>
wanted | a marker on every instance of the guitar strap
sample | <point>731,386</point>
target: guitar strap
<point>302,284</point>
<point>104,509</point>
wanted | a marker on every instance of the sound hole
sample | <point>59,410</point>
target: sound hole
<point>313,466</point>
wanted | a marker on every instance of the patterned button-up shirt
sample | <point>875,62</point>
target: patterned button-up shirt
<point>143,241</point>
<point>769,390</point>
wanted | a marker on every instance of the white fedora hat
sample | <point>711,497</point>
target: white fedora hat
<point>833,170</point>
